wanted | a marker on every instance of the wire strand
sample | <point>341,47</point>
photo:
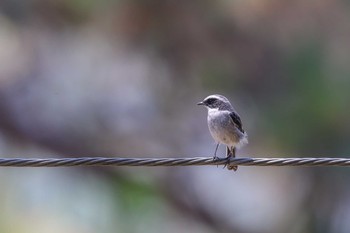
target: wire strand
<point>153,162</point>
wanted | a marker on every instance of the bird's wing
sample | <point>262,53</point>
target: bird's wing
<point>237,121</point>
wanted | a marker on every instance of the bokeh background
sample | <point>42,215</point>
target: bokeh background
<point>122,78</point>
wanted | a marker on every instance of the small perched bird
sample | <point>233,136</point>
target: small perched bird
<point>224,124</point>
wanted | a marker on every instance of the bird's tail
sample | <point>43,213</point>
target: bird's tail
<point>243,141</point>
<point>230,152</point>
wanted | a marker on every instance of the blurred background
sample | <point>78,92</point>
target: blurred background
<point>122,78</point>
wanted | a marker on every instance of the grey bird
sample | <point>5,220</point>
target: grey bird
<point>225,125</point>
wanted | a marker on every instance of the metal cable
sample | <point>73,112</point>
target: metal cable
<point>152,162</point>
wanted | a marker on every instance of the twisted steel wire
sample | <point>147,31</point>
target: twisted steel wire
<point>152,162</point>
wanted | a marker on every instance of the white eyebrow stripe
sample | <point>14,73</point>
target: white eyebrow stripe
<point>215,97</point>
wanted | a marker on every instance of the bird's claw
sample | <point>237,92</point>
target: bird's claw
<point>215,158</point>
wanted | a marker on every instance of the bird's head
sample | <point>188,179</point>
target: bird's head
<point>216,102</point>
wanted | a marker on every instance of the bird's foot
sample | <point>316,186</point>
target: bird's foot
<point>215,158</point>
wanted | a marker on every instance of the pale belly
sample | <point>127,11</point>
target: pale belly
<point>223,130</point>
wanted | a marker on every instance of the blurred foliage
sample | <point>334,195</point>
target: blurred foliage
<point>121,78</point>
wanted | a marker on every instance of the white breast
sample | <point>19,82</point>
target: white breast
<point>222,128</point>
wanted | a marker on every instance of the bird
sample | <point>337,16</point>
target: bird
<point>225,125</point>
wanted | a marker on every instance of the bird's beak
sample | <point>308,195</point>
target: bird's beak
<point>200,103</point>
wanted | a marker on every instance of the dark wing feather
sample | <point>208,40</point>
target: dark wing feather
<point>237,120</point>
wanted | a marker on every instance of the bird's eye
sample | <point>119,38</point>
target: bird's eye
<point>210,101</point>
